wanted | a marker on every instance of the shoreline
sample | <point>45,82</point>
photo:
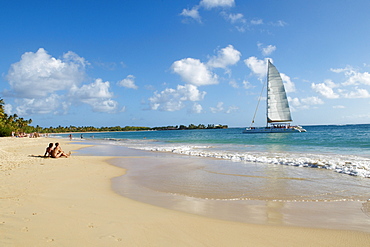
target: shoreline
<point>70,202</point>
<point>324,213</point>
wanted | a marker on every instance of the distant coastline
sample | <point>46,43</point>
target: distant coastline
<point>84,129</point>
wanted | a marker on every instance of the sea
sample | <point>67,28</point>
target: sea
<point>227,173</point>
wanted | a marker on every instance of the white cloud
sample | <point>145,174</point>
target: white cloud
<point>339,107</point>
<point>279,23</point>
<point>225,57</point>
<point>173,99</point>
<point>192,13</point>
<point>312,101</point>
<point>196,108</point>
<point>8,109</point>
<point>218,108</point>
<point>104,105</point>
<point>353,76</point>
<point>357,93</point>
<point>194,72</point>
<point>266,51</point>
<point>257,22</point>
<point>96,94</point>
<point>325,89</point>
<point>234,18</point>
<point>209,4</point>
<point>304,103</point>
<point>258,67</point>
<point>51,104</point>
<point>232,109</point>
<point>234,84</point>
<point>349,88</point>
<point>128,82</point>
<point>43,84</point>
<point>247,84</point>
<point>288,84</point>
<point>38,74</point>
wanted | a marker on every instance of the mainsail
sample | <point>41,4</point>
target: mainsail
<point>277,102</point>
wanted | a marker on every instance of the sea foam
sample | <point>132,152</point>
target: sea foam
<point>347,164</point>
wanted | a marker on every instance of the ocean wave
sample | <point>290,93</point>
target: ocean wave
<point>346,164</point>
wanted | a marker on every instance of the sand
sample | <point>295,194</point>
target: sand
<point>69,202</point>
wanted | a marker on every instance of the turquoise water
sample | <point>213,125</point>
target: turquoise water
<point>344,149</point>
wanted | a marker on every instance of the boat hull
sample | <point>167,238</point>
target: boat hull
<point>274,130</point>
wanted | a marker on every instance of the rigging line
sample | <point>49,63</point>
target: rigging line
<point>259,99</point>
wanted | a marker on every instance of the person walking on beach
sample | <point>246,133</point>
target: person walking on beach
<point>70,137</point>
<point>48,151</point>
<point>58,152</point>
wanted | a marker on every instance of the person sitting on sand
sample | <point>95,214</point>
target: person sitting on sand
<point>48,151</point>
<point>58,152</point>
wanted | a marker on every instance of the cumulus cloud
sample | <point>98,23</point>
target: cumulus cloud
<point>356,93</point>
<point>38,74</point>
<point>257,22</point>
<point>209,4</point>
<point>247,84</point>
<point>192,13</point>
<point>349,88</point>
<point>194,72</point>
<point>325,89</point>
<point>305,103</point>
<point>196,108</point>
<point>234,84</point>
<point>225,57</point>
<point>231,109</point>
<point>258,67</point>
<point>288,84</point>
<point>174,99</point>
<point>237,19</point>
<point>128,82</point>
<point>43,84</point>
<point>234,18</point>
<point>353,77</point>
<point>51,104</point>
<point>219,107</point>
<point>266,50</point>
<point>96,94</point>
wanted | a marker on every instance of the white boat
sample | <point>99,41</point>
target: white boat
<point>278,112</point>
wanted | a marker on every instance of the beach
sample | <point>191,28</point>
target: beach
<point>70,202</point>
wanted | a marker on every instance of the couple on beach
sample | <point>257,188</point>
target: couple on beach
<point>56,152</point>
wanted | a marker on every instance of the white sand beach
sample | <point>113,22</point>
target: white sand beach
<point>69,202</point>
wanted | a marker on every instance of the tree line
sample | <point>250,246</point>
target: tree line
<point>17,125</point>
<point>12,123</point>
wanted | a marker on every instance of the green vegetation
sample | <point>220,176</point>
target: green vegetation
<point>13,123</point>
<point>9,123</point>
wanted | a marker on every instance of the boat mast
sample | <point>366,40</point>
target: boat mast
<point>258,103</point>
<point>267,92</point>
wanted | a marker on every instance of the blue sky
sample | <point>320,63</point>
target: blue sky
<point>166,62</point>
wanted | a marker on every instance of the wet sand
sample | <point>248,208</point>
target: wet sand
<point>185,183</point>
<point>70,202</point>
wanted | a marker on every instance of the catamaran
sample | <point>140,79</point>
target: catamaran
<point>278,111</point>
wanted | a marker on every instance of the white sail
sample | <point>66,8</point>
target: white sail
<point>277,102</point>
